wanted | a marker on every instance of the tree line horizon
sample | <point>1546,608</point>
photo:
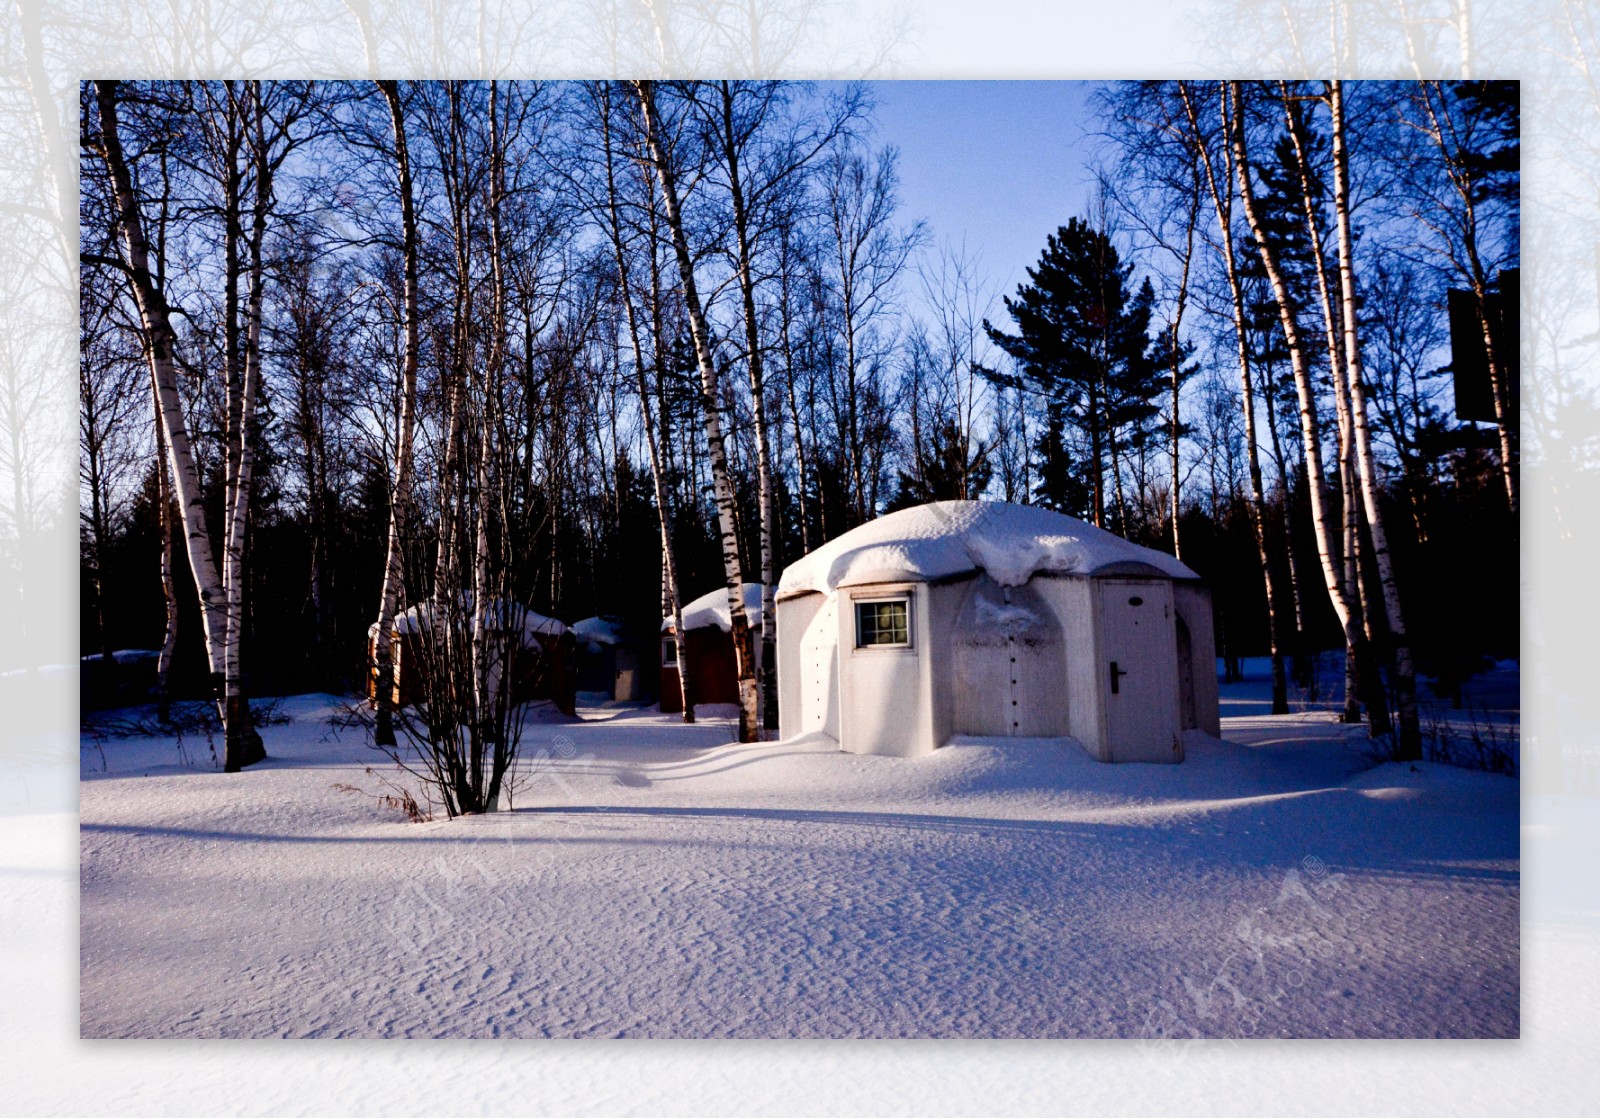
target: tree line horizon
<point>602,347</point>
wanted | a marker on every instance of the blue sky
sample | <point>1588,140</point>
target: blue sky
<point>1001,164</point>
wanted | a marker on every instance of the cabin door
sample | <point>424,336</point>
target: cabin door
<point>1010,664</point>
<point>1139,671</point>
<point>819,661</point>
<point>625,675</point>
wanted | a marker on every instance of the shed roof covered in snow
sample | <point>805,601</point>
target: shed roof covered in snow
<point>949,539</point>
<point>711,609</point>
<point>503,615</point>
<point>603,629</point>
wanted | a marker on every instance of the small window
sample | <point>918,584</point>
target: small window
<point>883,623</point>
<point>669,654</point>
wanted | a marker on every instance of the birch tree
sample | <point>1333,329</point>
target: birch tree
<point>161,340</point>
<point>1410,740</point>
<point>674,603</point>
<point>663,155</point>
<point>1311,439</point>
<point>1349,500</point>
<point>383,650</point>
<point>758,161</point>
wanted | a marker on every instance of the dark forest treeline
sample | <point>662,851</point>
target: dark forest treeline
<point>694,311</point>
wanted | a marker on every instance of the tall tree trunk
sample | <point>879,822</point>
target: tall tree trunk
<point>453,506</point>
<point>700,335</point>
<point>768,681</point>
<point>1177,369</point>
<point>1410,741</point>
<point>1356,658</point>
<point>1221,200</point>
<point>156,320</point>
<point>92,450</point>
<point>794,406</point>
<point>669,566</point>
<point>1310,437</point>
<point>383,662</point>
<point>1097,456</point>
<point>244,746</point>
<point>491,652</point>
<point>169,593</point>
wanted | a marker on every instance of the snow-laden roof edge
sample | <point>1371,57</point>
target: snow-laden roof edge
<point>503,615</point>
<point>602,629</point>
<point>711,609</point>
<point>948,539</point>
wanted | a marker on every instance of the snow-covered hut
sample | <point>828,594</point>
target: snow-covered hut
<point>708,633</point>
<point>986,618</point>
<point>612,658</point>
<point>540,649</point>
<point>128,677</point>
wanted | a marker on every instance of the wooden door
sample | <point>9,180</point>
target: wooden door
<point>1139,671</point>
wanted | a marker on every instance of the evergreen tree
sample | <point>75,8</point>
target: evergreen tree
<point>1083,344</point>
<point>946,472</point>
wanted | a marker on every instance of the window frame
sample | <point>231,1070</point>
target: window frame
<point>902,599</point>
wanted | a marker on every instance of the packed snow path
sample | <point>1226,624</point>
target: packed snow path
<point>654,882</point>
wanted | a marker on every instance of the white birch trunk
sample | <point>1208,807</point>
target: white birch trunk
<point>1348,497</point>
<point>767,683</point>
<point>1310,438</point>
<point>1410,742</point>
<point>1222,205</point>
<point>156,320</point>
<point>383,660</point>
<point>669,567</point>
<point>243,744</point>
<point>169,594</point>
<point>712,416</point>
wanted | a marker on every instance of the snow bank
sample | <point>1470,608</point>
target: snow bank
<point>947,539</point>
<point>712,610</point>
<point>657,880</point>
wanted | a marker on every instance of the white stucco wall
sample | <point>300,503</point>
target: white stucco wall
<point>885,700</point>
<point>909,701</point>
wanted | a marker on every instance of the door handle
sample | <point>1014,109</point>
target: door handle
<point>1116,675</point>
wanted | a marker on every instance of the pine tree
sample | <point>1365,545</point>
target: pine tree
<point>949,470</point>
<point>1083,344</point>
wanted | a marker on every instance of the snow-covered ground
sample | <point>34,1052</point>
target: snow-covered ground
<point>652,880</point>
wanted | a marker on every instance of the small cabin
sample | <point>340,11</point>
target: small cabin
<point>538,650</point>
<point>614,660</point>
<point>708,633</point>
<point>996,620</point>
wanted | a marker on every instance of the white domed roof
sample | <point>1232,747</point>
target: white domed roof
<point>947,539</point>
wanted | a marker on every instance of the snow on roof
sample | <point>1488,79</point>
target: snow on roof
<point>711,609</point>
<point>127,656</point>
<point>603,629</point>
<point>946,539</point>
<point>503,614</point>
